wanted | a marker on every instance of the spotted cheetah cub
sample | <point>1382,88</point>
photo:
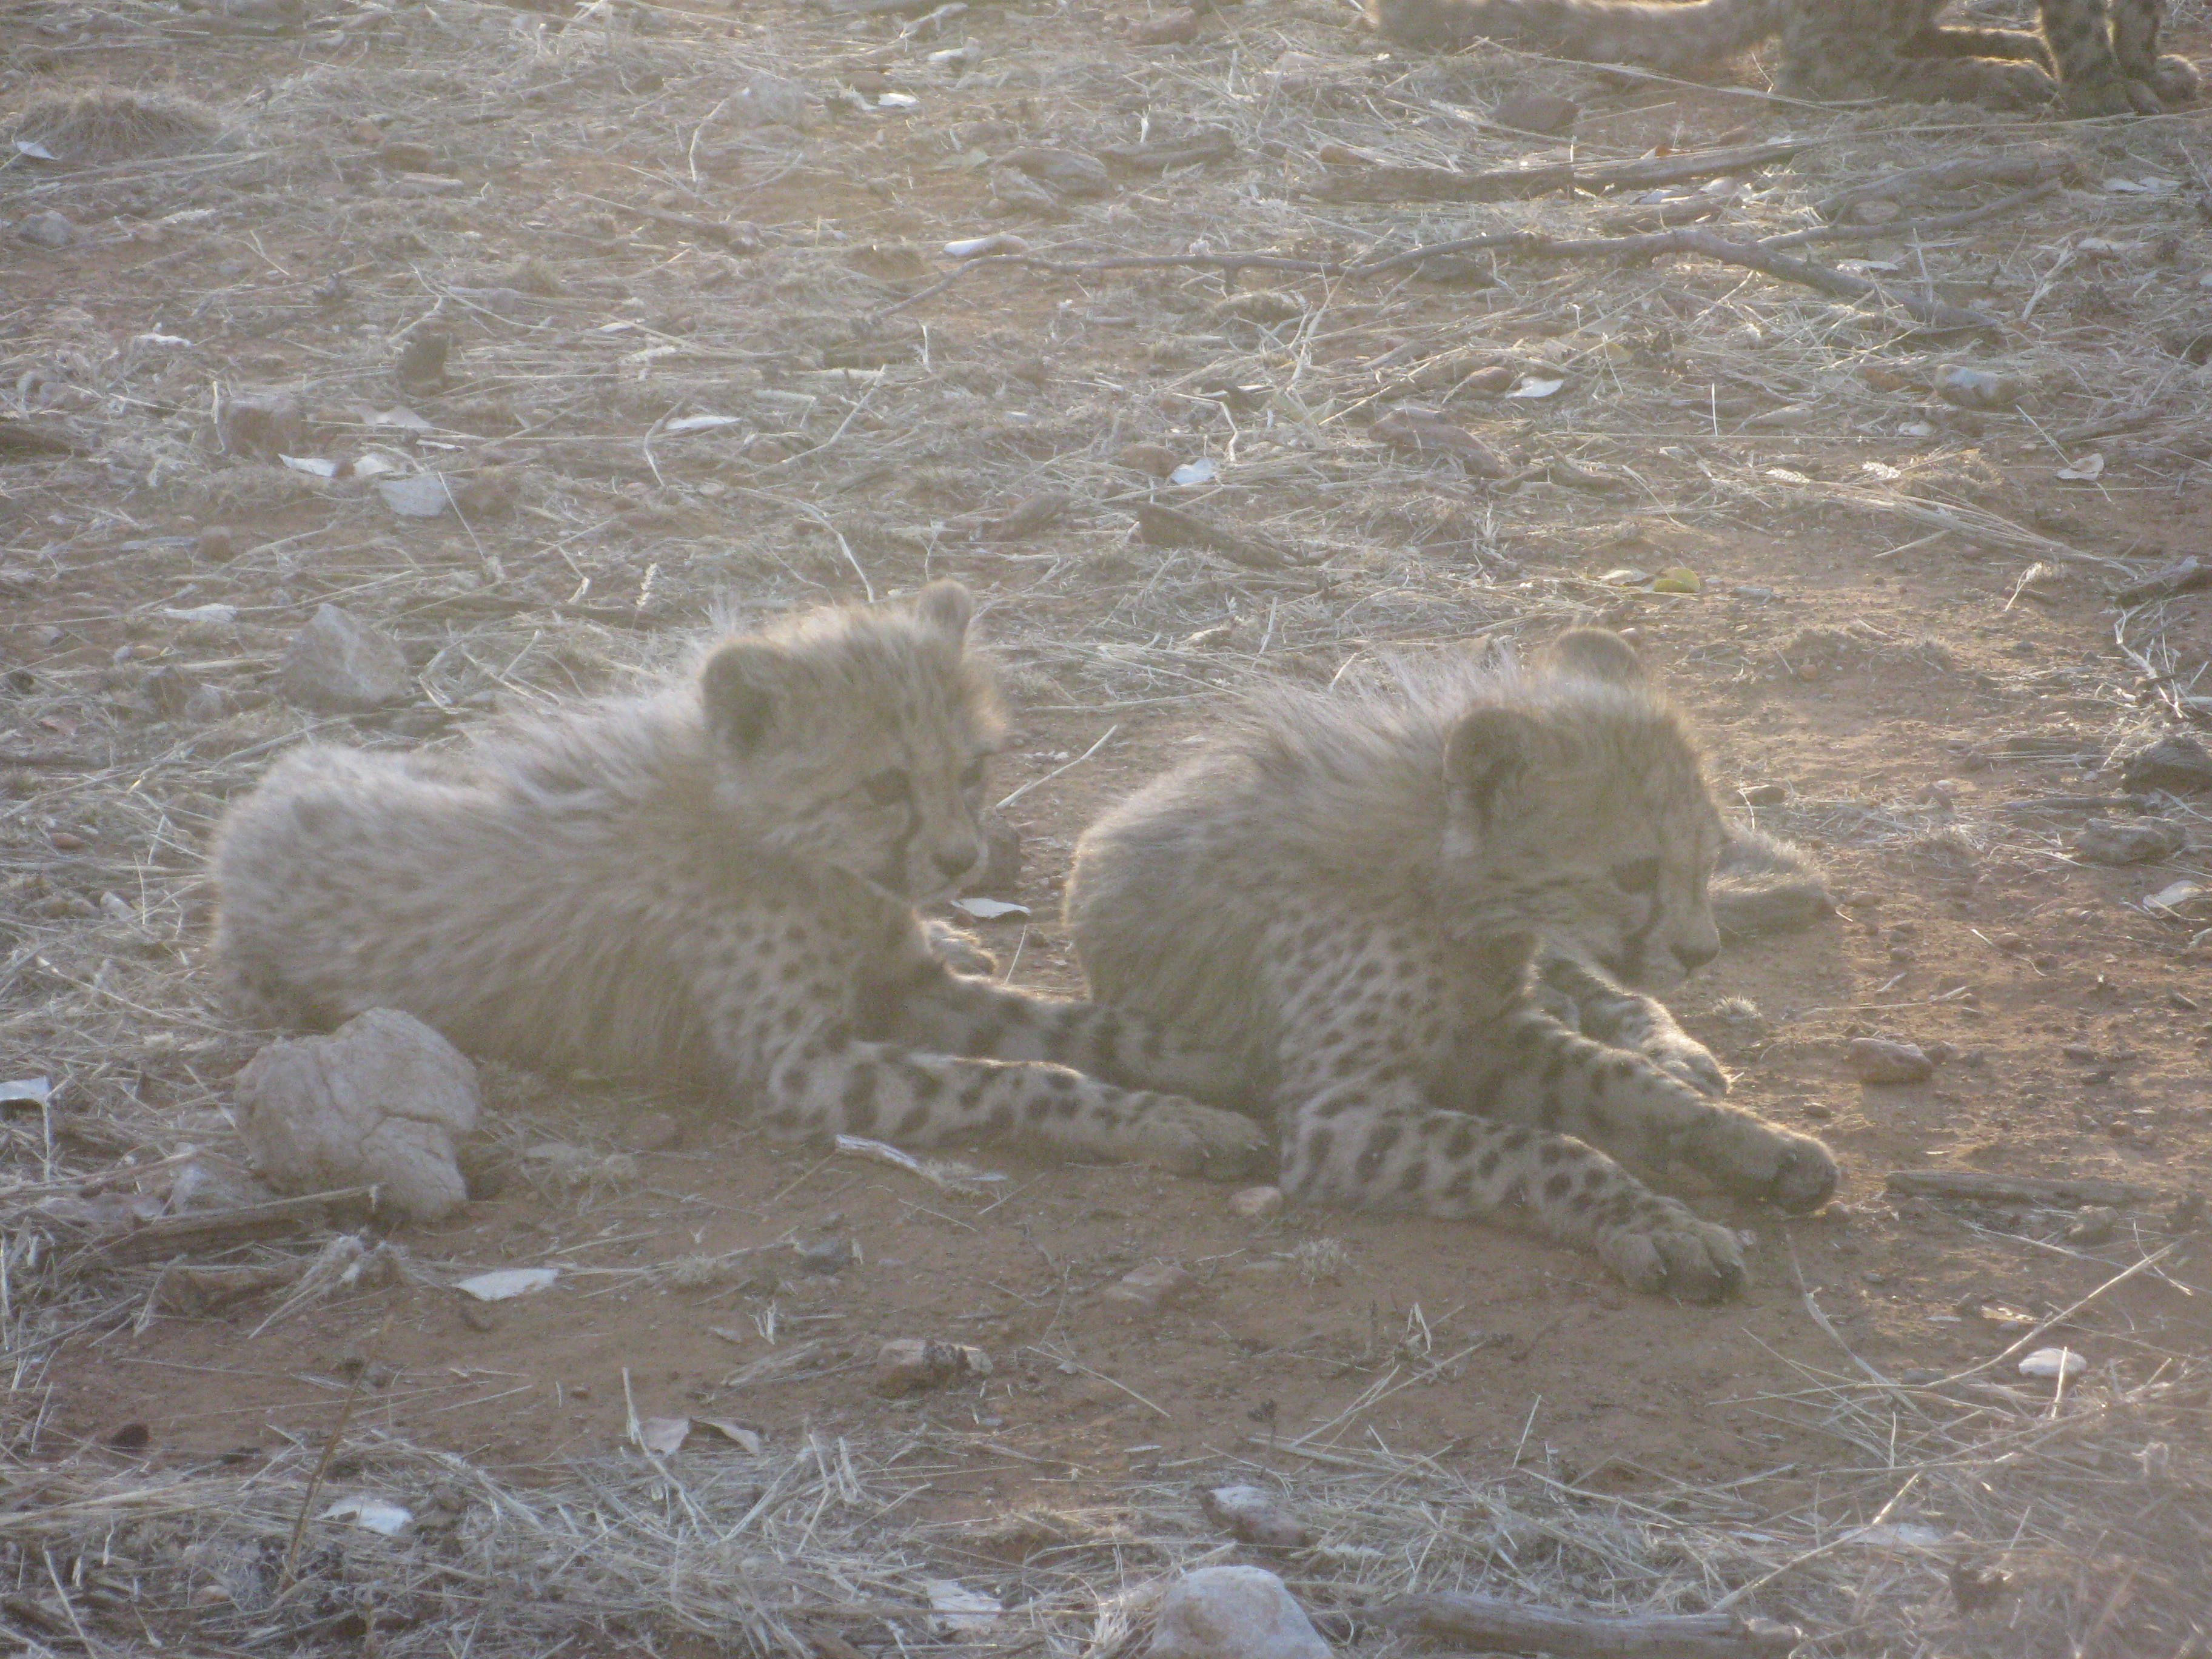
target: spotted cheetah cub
<point>1348,891</point>
<point>713,883</point>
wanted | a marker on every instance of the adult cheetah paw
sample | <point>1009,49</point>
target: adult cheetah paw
<point>1677,1256</point>
<point>1187,1139</point>
<point>1687,1058</point>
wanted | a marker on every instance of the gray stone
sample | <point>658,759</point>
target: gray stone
<point>48,229</point>
<point>1255,1515</point>
<point>1877,1059</point>
<point>913,1364</point>
<point>340,665</point>
<point>2129,840</point>
<point>263,425</point>
<point>380,1101</point>
<point>1233,1612</point>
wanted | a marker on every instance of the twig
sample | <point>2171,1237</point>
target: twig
<point>1494,1626</point>
<point>315,1480</point>
<point>1002,805</point>
<point>1940,225</point>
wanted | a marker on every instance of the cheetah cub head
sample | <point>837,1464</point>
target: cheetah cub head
<point>1575,792</point>
<point>858,737</point>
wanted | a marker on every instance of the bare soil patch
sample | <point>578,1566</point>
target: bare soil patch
<point>653,308</point>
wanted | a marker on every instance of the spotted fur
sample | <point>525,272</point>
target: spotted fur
<point>713,883</point>
<point>2105,62</point>
<point>1348,891</point>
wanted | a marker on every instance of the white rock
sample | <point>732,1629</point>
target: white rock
<point>1233,1612</point>
<point>339,664</point>
<point>1151,1287</point>
<point>1255,1515</point>
<point>2054,1362</point>
<point>379,1102</point>
<point>1257,1203</point>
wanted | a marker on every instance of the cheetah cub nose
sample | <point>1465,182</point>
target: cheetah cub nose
<point>954,864</point>
<point>1694,957</point>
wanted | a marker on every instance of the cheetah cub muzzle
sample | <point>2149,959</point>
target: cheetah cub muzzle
<point>1347,891</point>
<point>714,882</point>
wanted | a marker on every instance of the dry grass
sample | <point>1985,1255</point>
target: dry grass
<point>871,437</point>
<point>114,124</point>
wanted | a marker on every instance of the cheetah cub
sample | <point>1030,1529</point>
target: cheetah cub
<point>714,882</point>
<point>1348,889</point>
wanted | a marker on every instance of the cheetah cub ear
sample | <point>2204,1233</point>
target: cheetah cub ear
<point>947,607</point>
<point>1596,653</point>
<point>1487,750</point>
<point>740,686</point>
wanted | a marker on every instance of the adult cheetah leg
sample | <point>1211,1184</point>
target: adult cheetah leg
<point>1529,1069</point>
<point>1621,1019</point>
<point>1346,1150</point>
<point>962,1016</point>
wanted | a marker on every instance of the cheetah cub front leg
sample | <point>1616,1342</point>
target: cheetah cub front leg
<point>1532,1070</point>
<point>1621,1019</point>
<point>1369,1142</point>
<point>989,1068</point>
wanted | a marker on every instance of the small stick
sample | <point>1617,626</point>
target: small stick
<point>1002,805</point>
<point>1494,1625</point>
<point>315,1480</point>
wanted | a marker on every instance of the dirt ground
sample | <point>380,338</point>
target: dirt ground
<point>1905,617</point>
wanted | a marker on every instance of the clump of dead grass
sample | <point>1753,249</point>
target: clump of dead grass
<point>117,124</point>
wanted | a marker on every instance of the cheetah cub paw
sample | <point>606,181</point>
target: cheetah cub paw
<point>1682,1056</point>
<point>1187,1139</point>
<point>1674,1253</point>
<point>1753,1158</point>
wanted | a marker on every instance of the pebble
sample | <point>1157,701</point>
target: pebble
<point>825,1256</point>
<point>1255,1516</point>
<point>1171,28</point>
<point>1976,388</point>
<point>1151,1287</point>
<point>1070,171</point>
<point>913,1364</point>
<point>217,543</point>
<point>651,1132</point>
<point>1537,111</point>
<point>2053,1363</point>
<point>2173,763</point>
<point>1233,1612</point>
<point>2140,841</point>
<point>2093,1225</point>
<point>1257,1203</point>
<point>265,424</point>
<point>1876,1060</point>
<point>1153,460</point>
<point>340,665</point>
<point>47,230</point>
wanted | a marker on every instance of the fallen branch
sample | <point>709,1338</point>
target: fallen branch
<point>1692,240</point>
<point>1941,225</point>
<point>1387,183</point>
<point>2022,167</point>
<point>202,1233</point>
<point>1494,1626</point>
<point>2011,1189</point>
